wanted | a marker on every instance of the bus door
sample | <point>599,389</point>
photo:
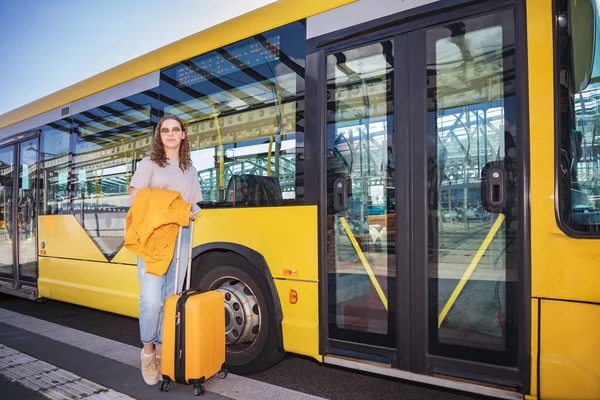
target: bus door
<point>18,218</point>
<point>422,225</point>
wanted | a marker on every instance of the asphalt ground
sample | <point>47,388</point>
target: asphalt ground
<point>294,372</point>
<point>14,390</point>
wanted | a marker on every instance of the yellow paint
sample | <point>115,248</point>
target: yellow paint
<point>569,350</point>
<point>467,275</point>
<point>535,334</point>
<point>65,237</point>
<point>105,286</point>
<point>114,287</point>
<point>300,320</point>
<point>364,261</point>
<point>285,236</point>
<point>562,267</point>
<point>124,256</point>
<point>263,19</point>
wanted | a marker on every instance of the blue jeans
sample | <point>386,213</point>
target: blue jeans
<point>155,289</point>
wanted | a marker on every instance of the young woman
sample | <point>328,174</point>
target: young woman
<point>169,167</point>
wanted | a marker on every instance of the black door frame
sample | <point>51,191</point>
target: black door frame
<point>16,147</point>
<point>407,29</point>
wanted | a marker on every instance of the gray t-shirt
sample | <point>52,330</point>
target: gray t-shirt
<point>171,177</point>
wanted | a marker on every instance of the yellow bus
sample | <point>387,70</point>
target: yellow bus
<point>409,188</point>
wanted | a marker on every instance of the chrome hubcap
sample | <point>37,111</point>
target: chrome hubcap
<point>242,312</point>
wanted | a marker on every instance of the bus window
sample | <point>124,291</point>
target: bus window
<point>579,116</point>
<point>6,203</point>
<point>56,143</point>
<point>109,139</point>
<point>244,107</point>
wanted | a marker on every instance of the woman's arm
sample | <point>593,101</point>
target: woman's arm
<point>140,179</point>
<point>132,194</point>
<point>197,193</point>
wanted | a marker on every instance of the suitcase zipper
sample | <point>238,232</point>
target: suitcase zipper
<point>180,339</point>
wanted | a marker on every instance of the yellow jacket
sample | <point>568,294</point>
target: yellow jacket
<point>152,226</point>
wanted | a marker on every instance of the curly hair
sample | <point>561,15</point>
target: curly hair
<point>158,150</point>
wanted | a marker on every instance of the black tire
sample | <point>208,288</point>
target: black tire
<point>263,353</point>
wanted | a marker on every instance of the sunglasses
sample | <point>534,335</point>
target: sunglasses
<point>176,131</point>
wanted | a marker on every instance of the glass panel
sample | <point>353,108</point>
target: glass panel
<point>472,151</point>
<point>360,251</point>
<point>579,127</point>
<point>6,217</point>
<point>27,208</point>
<point>56,145</point>
<point>109,139</point>
<point>244,107</point>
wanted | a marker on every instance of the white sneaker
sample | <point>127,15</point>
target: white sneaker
<point>149,368</point>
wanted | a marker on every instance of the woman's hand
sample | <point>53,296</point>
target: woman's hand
<point>194,211</point>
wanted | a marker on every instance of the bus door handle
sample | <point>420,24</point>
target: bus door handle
<point>341,192</point>
<point>494,190</point>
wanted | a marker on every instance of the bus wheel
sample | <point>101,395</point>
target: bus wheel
<point>250,327</point>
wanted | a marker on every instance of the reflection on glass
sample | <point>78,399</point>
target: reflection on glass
<point>472,246</point>
<point>579,127</point>
<point>27,208</point>
<point>56,138</point>
<point>244,107</point>
<point>6,217</point>
<point>109,139</point>
<point>360,252</point>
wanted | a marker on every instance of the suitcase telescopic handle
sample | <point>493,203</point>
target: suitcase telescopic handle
<point>188,278</point>
<point>177,258</point>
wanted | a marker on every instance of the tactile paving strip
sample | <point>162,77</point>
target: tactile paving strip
<point>49,380</point>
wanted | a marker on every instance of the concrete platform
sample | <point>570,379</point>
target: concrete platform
<point>40,359</point>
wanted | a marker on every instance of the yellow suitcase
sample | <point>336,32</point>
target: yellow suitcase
<point>193,335</point>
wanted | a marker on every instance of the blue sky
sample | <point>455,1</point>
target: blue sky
<point>47,45</point>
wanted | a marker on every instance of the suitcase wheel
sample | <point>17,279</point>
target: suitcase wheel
<point>223,374</point>
<point>165,386</point>
<point>198,390</point>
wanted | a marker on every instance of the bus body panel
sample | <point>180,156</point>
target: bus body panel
<point>300,325</point>
<point>62,236</point>
<point>124,256</point>
<point>285,236</point>
<point>357,13</point>
<point>106,286</point>
<point>569,367</point>
<point>534,345</point>
<point>563,268</point>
